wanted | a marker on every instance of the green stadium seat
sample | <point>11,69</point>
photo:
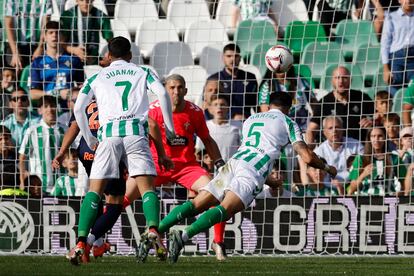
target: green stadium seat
<point>258,56</point>
<point>357,82</point>
<point>24,79</point>
<point>351,35</point>
<point>250,33</point>
<point>397,101</point>
<point>368,58</point>
<point>319,55</point>
<point>298,34</point>
<point>304,72</point>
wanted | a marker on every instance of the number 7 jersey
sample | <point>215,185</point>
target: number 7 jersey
<point>121,95</point>
<point>264,135</point>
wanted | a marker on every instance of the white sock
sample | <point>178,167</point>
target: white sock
<point>91,239</point>
<point>99,242</point>
<point>184,236</point>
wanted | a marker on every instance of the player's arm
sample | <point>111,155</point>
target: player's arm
<point>213,151</point>
<point>165,103</point>
<point>84,98</point>
<point>155,135</point>
<point>68,139</point>
<point>310,158</point>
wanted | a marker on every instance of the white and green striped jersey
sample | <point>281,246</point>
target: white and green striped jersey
<point>66,186</point>
<point>17,129</point>
<point>27,15</point>
<point>121,95</point>
<point>264,135</point>
<point>41,144</point>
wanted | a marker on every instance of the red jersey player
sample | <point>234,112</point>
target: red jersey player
<point>188,121</point>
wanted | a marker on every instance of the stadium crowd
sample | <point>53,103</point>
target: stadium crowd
<point>365,132</point>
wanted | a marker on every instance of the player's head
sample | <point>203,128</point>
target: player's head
<point>47,109</point>
<point>70,162</point>
<point>175,86</point>
<point>281,101</point>
<point>119,48</point>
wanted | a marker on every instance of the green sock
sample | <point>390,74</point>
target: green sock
<point>180,212</point>
<point>206,220</point>
<point>151,208</point>
<point>88,212</point>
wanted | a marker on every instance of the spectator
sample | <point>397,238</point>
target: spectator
<point>405,151</point>
<point>34,184</point>
<point>353,107</point>
<point>408,105</point>
<point>8,80</point>
<point>225,132</point>
<point>81,26</point>
<point>21,119</point>
<point>22,22</point>
<point>336,150</point>
<point>8,162</point>
<point>212,87</point>
<point>331,12</point>
<point>314,183</point>
<point>383,104</point>
<point>55,72</point>
<point>253,9</point>
<point>40,145</point>
<point>298,88</point>
<point>376,172</point>
<point>397,46</point>
<point>67,185</point>
<point>392,128</point>
<point>241,85</point>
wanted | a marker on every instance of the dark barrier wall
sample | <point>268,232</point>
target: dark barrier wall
<point>363,225</point>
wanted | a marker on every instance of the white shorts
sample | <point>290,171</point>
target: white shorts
<point>132,150</point>
<point>240,178</point>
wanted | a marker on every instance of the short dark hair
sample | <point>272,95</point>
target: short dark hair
<point>382,96</point>
<point>119,47</point>
<point>48,100</point>
<point>392,118</point>
<point>280,99</point>
<point>4,131</point>
<point>225,97</point>
<point>52,25</point>
<point>71,152</point>
<point>231,47</point>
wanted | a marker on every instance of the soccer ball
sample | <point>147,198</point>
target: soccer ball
<point>279,59</point>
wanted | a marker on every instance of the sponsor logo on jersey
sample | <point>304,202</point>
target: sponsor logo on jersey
<point>178,141</point>
<point>17,228</point>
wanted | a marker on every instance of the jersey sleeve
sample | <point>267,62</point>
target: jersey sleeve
<point>408,96</point>
<point>200,123</point>
<point>293,130</point>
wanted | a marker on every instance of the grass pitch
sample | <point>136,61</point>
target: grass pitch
<point>126,265</point>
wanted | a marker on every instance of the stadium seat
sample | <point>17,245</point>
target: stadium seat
<point>223,14</point>
<point>204,33</point>
<point>397,101</point>
<point>152,31</point>
<point>211,58</point>
<point>357,82</point>
<point>250,33</point>
<point>119,29</point>
<point>136,54</point>
<point>90,70</point>
<point>133,12</point>
<point>319,55</point>
<point>258,56</point>
<point>252,69</point>
<point>368,58</point>
<point>195,77</point>
<point>24,78</point>
<point>289,10</point>
<point>298,34</point>
<point>184,12</point>
<point>99,4</point>
<point>304,72</point>
<point>167,55</point>
<point>351,35</point>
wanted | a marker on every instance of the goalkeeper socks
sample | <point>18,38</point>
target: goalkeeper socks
<point>88,212</point>
<point>180,212</point>
<point>206,220</point>
<point>105,222</point>
<point>151,208</point>
<point>219,229</point>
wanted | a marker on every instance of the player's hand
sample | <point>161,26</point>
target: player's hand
<point>165,163</point>
<point>92,142</point>
<point>57,161</point>
<point>332,171</point>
